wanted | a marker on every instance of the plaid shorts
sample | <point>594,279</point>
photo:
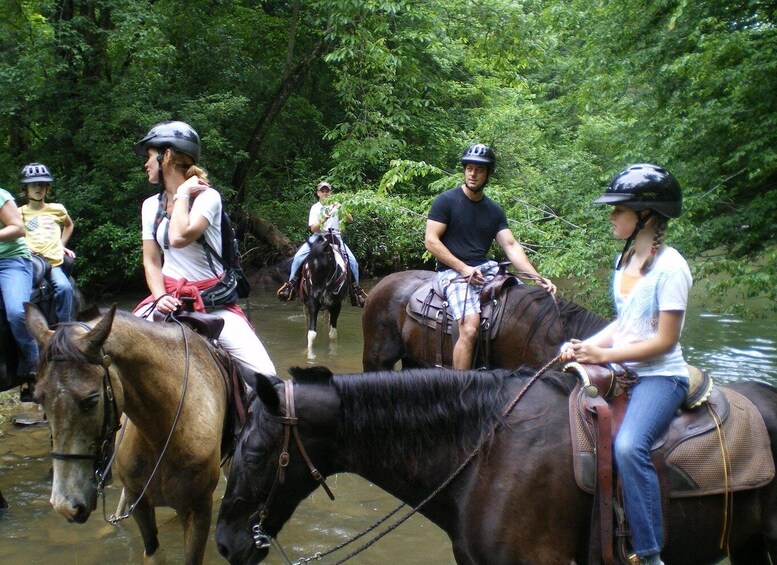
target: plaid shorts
<point>464,299</point>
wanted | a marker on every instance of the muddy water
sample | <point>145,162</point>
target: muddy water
<point>31,533</point>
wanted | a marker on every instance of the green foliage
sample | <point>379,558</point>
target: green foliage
<point>567,93</point>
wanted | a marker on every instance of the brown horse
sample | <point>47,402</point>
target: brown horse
<point>515,502</point>
<point>168,382</point>
<point>533,327</point>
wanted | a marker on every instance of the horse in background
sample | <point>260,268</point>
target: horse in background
<point>515,501</point>
<point>170,383</point>
<point>534,324</point>
<point>323,284</point>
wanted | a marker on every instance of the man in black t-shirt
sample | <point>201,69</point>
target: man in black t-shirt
<point>460,228</point>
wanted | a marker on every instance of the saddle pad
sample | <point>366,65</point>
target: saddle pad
<point>694,464</point>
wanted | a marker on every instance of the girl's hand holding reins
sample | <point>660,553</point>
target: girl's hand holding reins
<point>567,351</point>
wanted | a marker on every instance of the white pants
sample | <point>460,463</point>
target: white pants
<point>239,339</point>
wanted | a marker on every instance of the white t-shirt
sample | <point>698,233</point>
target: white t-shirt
<point>189,262</point>
<point>664,288</point>
<point>318,210</point>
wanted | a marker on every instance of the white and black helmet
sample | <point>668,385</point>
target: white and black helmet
<point>35,172</point>
<point>178,135</point>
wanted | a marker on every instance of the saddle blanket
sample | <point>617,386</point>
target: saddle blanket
<point>694,464</point>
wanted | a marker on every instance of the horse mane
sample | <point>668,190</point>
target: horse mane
<point>578,322</point>
<point>418,417</point>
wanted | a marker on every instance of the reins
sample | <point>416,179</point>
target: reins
<point>264,540</point>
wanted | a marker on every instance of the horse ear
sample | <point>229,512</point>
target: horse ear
<point>310,374</point>
<point>36,323</point>
<point>93,340</point>
<point>267,393</point>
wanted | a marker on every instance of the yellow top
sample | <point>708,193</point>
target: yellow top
<point>43,231</point>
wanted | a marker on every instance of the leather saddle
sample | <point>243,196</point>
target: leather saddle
<point>234,373</point>
<point>702,452</point>
<point>427,306</point>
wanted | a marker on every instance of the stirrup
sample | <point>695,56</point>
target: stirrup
<point>359,296</point>
<point>286,292</point>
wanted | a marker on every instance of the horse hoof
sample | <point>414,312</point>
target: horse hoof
<point>158,558</point>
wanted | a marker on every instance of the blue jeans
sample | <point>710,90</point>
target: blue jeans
<point>653,403</point>
<point>16,285</point>
<point>63,294</point>
<point>303,252</point>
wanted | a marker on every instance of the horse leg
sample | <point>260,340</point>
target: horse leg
<point>196,527</point>
<point>312,310</point>
<point>145,518</point>
<point>334,314</point>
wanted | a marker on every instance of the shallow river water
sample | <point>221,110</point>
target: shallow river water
<point>32,533</point>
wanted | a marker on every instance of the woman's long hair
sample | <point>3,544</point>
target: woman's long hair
<point>186,164</point>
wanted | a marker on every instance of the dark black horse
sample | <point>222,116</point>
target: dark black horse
<point>516,501</point>
<point>324,284</point>
<point>42,295</point>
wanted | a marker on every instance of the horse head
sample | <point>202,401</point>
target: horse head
<point>77,392</point>
<point>270,475</point>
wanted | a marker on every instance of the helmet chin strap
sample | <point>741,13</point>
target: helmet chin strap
<point>641,221</point>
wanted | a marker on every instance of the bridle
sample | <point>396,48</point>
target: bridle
<point>104,452</point>
<point>262,539</point>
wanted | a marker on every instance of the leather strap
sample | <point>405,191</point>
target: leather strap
<point>605,477</point>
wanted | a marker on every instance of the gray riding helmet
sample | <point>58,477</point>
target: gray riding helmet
<point>178,135</point>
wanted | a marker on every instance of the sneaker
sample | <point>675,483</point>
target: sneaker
<point>359,296</point>
<point>286,292</point>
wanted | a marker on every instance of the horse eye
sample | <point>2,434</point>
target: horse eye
<point>90,402</point>
<point>254,457</point>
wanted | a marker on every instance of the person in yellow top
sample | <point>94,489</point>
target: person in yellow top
<point>47,228</point>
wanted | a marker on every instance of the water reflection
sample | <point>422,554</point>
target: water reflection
<point>32,533</point>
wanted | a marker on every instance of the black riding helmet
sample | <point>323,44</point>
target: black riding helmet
<point>178,135</point>
<point>479,154</point>
<point>35,172</point>
<point>645,187</point>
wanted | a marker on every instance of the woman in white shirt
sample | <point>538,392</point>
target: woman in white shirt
<point>175,263</point>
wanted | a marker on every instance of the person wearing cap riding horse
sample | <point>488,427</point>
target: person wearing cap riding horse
<point>48,227</point>
<point>650,289</point>
<point>175,263</point>
<point>461,226</point>
<point>15,287</point>
<point>323,218</point>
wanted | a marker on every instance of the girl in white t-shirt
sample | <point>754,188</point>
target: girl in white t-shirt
<point>650,291</point>
<point>175,263</point>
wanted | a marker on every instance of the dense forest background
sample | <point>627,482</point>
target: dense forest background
<point>380,97</point>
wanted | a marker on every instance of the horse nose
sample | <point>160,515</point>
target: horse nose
<point>81,514</point>
<point>223,550</point>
